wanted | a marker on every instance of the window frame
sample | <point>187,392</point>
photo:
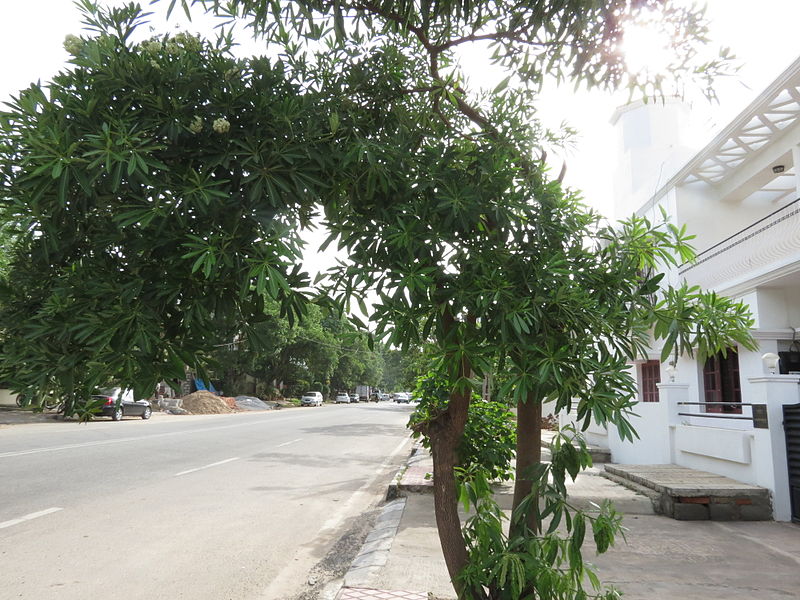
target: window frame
<point>649,378</point>
<point>722,383</point>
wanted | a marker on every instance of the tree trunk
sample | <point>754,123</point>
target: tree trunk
<point>445,434</point>
<point>529,455</point>
<point>445,497</point>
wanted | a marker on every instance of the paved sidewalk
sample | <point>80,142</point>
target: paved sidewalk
<point>661,558</point>
<point>11,415</point>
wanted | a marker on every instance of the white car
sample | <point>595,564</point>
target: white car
<point>311,399</point>
<point>342,399</point>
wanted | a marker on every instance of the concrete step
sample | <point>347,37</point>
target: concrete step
<point>654,496</point>
<point>689,494</point>
<point>588,492</point>
<point>599,455</point>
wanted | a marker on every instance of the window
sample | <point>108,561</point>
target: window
<point>721,383</point>
<point>649,376</point>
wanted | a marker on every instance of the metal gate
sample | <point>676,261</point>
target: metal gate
<point>791,425</point>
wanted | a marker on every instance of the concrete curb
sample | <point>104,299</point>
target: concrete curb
<point>375,551</point>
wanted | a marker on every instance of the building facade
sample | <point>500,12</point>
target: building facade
<point>740,197</point>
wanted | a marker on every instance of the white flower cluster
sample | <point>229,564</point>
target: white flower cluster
<point>152,47</point>
<point>221,125</point>
<point>188,42</point>
<point>196,126</point>
<point>73,44</point>
<point>172,46</point>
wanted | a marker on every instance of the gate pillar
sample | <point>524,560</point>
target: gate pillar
<point>774,391</point>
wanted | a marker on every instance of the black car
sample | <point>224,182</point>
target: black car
<point>127,406</point>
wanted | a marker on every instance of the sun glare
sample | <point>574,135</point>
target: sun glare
<point>647,49</point>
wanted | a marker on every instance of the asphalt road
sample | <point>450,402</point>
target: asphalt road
<point>233,507</point>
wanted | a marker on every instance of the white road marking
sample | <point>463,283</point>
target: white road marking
<point>29,517</point>
<point>216,464</point>
<point>139,438</point>
<point>287,443</point>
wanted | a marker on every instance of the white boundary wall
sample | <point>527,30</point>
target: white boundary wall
<point>741,452</point>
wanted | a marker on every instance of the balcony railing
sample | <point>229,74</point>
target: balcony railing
<point>769,242</point>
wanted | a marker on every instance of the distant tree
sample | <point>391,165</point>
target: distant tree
<point>403,367</point>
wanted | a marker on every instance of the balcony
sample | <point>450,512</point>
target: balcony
<point>767,245</point>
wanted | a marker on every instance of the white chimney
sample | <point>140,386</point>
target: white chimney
<point>651,147</point>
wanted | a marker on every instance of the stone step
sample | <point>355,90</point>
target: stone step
<point>599,455</point>
<point>654,496</point>
<point>689,494</point>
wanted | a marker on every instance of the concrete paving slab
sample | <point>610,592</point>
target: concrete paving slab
<point>665,559</point>
<point>695,495</point>
<point>662,559</point>
<point>415,560</point>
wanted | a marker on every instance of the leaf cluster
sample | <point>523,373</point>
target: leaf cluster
<point>154,193</point>
<point>546,563</point>
<point>489,438</point>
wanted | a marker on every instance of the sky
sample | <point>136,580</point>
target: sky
<point>762,35</point>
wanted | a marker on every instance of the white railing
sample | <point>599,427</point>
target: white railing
<point>771,241</point>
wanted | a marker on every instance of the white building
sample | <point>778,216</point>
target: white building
<point>740,195</point>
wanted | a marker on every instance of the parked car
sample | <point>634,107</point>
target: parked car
<point>311,399</point>
<point>383,397</point>
<point>402,397</point>
<point>119,403</point>
<point>354,398</point>
<point>342,398</point>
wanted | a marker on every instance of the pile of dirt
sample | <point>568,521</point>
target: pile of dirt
<point>231,402</point>
<point>202,402</point>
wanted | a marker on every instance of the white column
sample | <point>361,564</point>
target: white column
<point>769,452</point>
<point>669,395</point>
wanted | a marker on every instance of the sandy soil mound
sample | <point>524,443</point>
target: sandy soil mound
<point>202,402</point>
<point>231,402</point>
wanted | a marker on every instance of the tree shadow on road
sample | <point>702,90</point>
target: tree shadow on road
<point>355,429</point>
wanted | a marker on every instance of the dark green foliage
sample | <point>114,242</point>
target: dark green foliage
<point>549,561</point>
<point>142,232</point>
<point>155,194</point>
<point>320,350</point>
<point>489,438</point>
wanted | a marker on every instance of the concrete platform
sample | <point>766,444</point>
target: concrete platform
<point>692,495</point>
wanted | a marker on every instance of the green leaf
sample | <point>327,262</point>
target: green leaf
<point>502,85</point>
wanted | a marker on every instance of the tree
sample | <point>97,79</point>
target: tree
<point>291,356</point>
<point>438,192</point>
<point>154,195</point>
<point>476,243</point>
<point>403,367</point>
